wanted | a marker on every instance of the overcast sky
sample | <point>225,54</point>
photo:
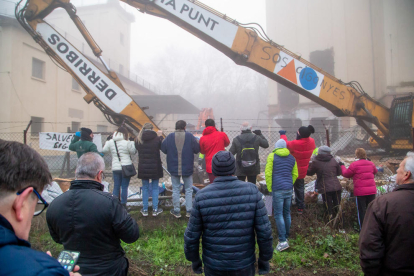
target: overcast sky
<point>152,35</point>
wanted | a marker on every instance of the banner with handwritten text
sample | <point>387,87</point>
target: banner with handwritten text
<point>61,141</point>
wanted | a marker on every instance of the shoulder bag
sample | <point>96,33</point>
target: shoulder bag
<point>127,170</point>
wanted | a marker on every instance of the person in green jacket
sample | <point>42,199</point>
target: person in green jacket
<point>281,172</point>
<point>82,142</point>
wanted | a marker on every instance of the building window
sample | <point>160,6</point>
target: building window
<point>75,85</point>
<point>75,126</point>
<point>121,69</point>
<point>37,125</point>
<point>38,69</point>
<point>121,38</point>
<point>102,128</point>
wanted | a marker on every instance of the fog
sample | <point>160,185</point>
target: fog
<point>177,62</point>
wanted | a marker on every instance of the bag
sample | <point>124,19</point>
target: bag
<point>127,170</point>
<point>248,156</point>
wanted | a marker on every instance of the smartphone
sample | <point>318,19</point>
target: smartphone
<point>68,259</point>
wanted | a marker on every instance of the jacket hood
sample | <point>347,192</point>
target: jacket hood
<point>282,151</point>
<point>7,235</point>
<point>118,136</point>
<point>148,135</point>
<point>209,130</point>
<point>323,157</point>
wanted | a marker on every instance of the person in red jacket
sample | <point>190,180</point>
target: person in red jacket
<point>362,172</point>
<point>212,142</point>
<point>302,149</point>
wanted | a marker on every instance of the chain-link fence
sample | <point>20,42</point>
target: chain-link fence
<point>62,164</point>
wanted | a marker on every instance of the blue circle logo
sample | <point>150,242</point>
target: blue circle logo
<point>308,78</point>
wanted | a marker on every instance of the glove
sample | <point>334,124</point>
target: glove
<point>282,132</point>
<point>263,266</point>
<point>341,164</point>
<point>78,134</point>
<point>257,132</point>
<point>197,266</point>
<point>131,139</point>
<point>109,137</point>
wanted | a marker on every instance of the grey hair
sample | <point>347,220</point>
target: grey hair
<point>89,165</point>
<point>410,153</point>
<point>409,165</point>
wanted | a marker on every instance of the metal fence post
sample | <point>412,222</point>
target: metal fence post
<point>25,132</point>
<point>328,143</point>
<point>413,138</point>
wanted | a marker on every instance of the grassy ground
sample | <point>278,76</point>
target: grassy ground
<point>315,249</point>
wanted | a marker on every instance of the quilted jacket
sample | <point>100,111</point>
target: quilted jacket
<point>228,214</point>
<point>281,170</point>
<point>125,149</point>
<point>302,151</point>
<point>362,172</point>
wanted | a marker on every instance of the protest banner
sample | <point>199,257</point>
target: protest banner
<point>61,141</point>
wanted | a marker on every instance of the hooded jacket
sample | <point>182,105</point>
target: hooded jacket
<point>125,149</point>
<point>327,171</point>
<point>82,146</point>
<point>211,142</point>
<point>302,150</point>
<point>236,149</point>
<point>149,158</point>
<point>363,175</point>
<point>17,258</point>
<point>281,170</point>
<point>93,222</point>
<point>228,214</point>
<point>386,241</point>
<point>180,147</point>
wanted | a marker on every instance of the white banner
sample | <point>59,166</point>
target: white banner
<point>61,141</point>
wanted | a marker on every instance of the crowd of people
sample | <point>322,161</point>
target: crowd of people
<point>228,215</point>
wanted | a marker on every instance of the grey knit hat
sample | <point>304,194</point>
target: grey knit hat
<point>223,163</point>
<point>324,150</point>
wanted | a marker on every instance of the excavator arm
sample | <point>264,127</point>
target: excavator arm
<point>104,89</point>
<point>246,44</point>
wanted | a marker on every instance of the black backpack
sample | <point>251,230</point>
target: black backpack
<point>248,156</point>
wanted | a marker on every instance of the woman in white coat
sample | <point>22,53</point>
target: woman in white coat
<point>126,149</point>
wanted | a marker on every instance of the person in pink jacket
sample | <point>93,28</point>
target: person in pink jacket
<point>362,172</point>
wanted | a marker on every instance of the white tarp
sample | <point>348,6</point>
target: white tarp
<point>60,141</point>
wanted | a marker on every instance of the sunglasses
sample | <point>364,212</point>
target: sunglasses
<point>41,203</point>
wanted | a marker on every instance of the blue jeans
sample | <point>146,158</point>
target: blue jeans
<point>121,183</point>
<point>188,183</point>
<point>153,186</point>
<point>282,199</point>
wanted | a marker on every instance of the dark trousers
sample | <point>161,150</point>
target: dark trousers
<point>248,271</point>
<point>299,188</point>
<point>362,204</point>
<point>331,201</point>
<point>211,177</point>
<point>250,178</point>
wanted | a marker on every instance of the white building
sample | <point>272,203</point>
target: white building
<point>34,88</point>
<point>367,41</point>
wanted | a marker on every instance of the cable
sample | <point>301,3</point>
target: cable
<point>14,89</point>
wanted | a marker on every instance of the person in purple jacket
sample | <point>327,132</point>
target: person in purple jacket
<point>362,172</point>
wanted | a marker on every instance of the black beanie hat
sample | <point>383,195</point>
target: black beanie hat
<point>86,134</point>
<point>305,132</point>
<point>223,163</point>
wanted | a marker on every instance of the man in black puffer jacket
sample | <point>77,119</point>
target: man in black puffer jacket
<point>92,222</point>
<point>229,213</point>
